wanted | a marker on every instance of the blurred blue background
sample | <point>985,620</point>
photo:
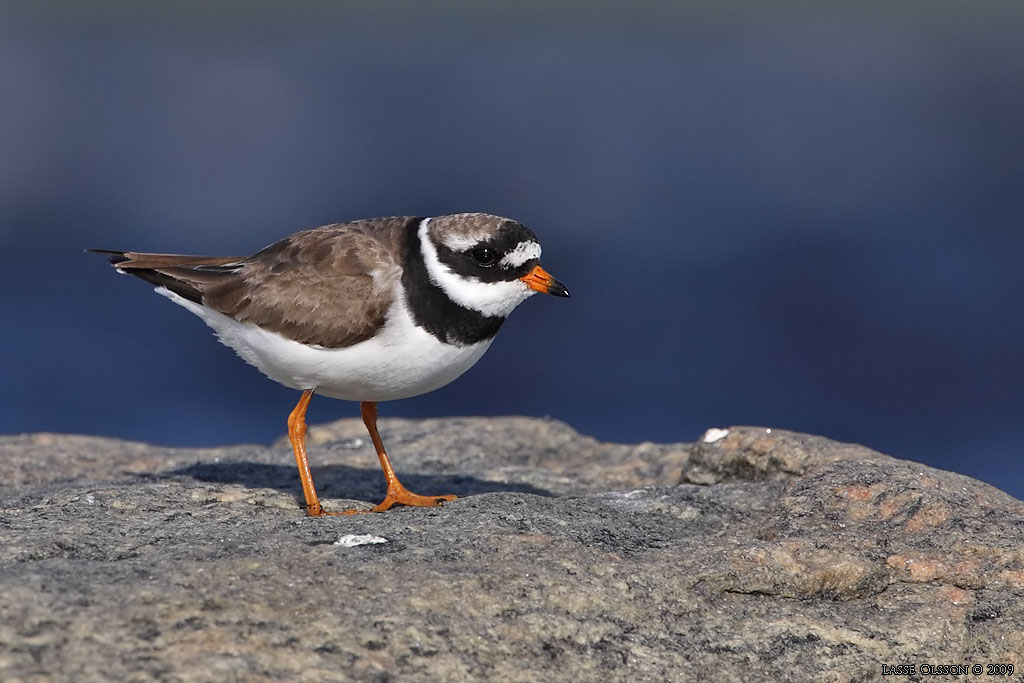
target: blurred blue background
<point>798,215</point>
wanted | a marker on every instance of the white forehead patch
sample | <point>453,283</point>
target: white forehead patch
<point>489,298</point>
<point>523,252</point>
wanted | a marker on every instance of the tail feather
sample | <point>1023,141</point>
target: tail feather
<point>114,257</point>
<point>187,276</point>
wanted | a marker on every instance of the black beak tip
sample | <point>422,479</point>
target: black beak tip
<point>558,289</point>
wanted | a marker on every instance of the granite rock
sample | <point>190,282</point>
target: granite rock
<point>752,552</point>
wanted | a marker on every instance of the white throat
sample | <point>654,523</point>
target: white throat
<point>496,299</point>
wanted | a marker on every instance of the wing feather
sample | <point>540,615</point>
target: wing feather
<point>330,286</point>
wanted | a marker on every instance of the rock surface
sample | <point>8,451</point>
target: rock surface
<point>753,552</point>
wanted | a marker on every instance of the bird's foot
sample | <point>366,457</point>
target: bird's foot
<point>317,511</point>
<point>399,495</point>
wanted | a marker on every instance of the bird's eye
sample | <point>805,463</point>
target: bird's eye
<point>484,256</point>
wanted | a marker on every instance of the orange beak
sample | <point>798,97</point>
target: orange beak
<point>540,280</point>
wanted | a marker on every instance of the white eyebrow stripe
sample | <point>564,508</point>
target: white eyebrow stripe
<point>463,242</point>
<point>524,251</point>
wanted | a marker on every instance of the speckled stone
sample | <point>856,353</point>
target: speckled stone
<point>759,553</point>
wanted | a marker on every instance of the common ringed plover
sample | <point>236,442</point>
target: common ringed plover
<point>371,310</point>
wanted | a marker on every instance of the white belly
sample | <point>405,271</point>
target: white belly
<point>402,360</point>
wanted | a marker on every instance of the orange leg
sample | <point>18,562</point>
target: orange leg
<point>297,435</point>
<point>397,494</point>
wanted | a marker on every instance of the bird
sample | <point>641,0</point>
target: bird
<point>370,310</point>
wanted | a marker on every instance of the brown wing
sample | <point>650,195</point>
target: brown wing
<point>330,286</point>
